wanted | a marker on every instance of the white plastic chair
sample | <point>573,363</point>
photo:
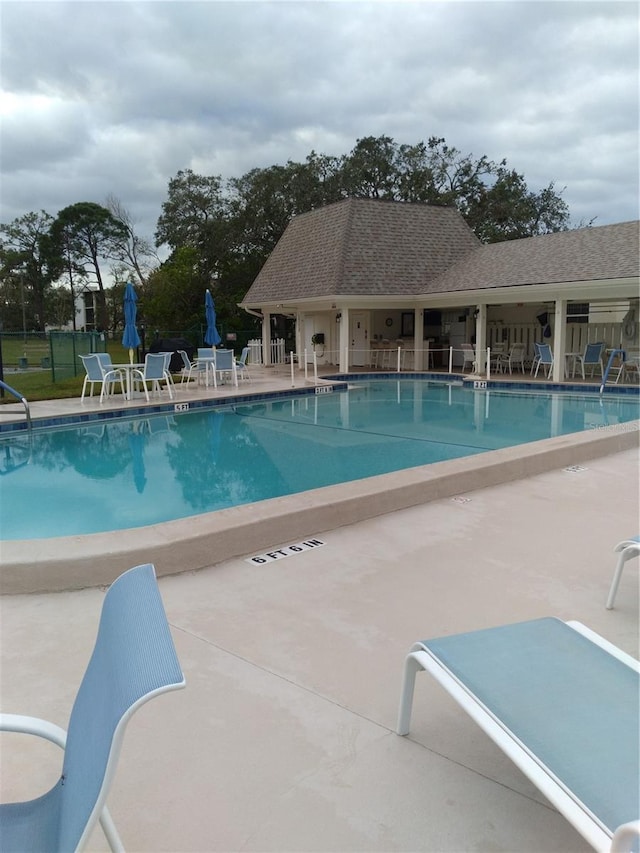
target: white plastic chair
<point>628,549</point>
<point>468,356</point>
<point>516,356</point>
<point>155,372</point>
<point>133,660</point>
<point>97,374</point>
<point>241,365</point>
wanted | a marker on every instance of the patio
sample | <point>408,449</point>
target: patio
<point>284,738</point>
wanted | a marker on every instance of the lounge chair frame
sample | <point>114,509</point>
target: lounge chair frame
<point>627,549</point>
<point>619,839</point>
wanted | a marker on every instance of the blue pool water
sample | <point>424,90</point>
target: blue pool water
<point>125,473</point>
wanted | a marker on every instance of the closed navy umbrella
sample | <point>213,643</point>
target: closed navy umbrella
<point>130,337</point>
<point>211,337</point>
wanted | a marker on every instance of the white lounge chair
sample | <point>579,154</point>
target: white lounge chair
<point>628,549</point>
<point>562,703</point>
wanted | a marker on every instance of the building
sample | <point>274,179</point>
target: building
<point>361,272</point>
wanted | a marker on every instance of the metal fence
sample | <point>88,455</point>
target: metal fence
<point>65,347</point>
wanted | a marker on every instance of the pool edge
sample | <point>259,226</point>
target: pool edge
<point>75,562</point>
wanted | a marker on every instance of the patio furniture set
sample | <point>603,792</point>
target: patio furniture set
<point>153,375</point>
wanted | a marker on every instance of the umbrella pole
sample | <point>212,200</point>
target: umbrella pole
<point>130,356</point>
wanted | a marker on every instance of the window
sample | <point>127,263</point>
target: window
<point>578,312</point>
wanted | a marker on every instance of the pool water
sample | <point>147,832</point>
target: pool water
<point>124,473</point>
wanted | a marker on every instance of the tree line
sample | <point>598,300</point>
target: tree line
<point>220,233</point>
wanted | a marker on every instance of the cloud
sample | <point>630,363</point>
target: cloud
<point>115,98</point>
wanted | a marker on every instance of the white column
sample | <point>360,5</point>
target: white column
<point>418,343</point>
<point>300,338</point>
<point>266,338</point>
<point>481,338</point>
<point>344,340</point>
<point>559,339</point>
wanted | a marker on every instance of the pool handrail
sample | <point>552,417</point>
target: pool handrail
<point>19,397</point>
<point>615,353</point>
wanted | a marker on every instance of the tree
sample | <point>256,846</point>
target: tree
<point>89,234</point>
<point>137,252</point>
<point>233,229</point>
<point>174,293</point>
<point>508,210</point>
<point>32,261</point>
<point>193,203</point>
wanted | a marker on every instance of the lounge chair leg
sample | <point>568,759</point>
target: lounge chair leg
<point>616,581</point>
<point>411,667</point>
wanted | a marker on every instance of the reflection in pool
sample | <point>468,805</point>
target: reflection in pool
<point>123,473</point>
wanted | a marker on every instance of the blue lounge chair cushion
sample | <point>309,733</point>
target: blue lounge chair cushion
<point>574,706</point>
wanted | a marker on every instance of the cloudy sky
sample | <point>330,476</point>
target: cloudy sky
<point>116,97</point>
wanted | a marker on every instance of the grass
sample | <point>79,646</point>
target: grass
<point>38,384</point>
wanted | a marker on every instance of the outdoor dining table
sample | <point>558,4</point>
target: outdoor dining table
<point>128,368</point>
<point>209,364</point>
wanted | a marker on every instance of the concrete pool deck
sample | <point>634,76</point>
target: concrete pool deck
<point>44,565</point>
<point>283,739</point>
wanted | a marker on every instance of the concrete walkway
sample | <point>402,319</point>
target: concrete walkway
<point>284,738</point>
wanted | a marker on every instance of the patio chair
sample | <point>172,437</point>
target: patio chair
<point>628,549</point>
<point>591,357</point>
<point>187,367</point>
<point>543,356</point>
<point>468,356</point>
<point>154,371</point>
<point>97,374</point>
<point>204,365</point>
<point>105,360</point>
<point>225,365</point>
<point>241,365</point>
<point>133,660</point>
<point>562,703</point>
<point>516,356</point>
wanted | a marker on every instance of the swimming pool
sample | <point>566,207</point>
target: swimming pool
<point>130,473</point>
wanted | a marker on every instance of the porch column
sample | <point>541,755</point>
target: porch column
<point>481,339</point>
<point>559,339</point>
<point>266,338</point>
<point>300,336</point>
<point>418,343</point>
<point>344,341</point>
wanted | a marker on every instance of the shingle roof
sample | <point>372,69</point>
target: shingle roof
<point>586,254</point>
<point>362,247</point>
<point>367,247</point>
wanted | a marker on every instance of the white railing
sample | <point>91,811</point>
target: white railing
<point>578,335</point>
<point>278,354</point>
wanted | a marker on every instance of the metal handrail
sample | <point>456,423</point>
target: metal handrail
<point>615,353</point>
<point>22,399</point>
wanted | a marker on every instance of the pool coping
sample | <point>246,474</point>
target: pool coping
<point>201,541</point>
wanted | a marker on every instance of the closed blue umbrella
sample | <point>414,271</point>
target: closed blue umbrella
<point>211,337</point>
<point>130,337</point>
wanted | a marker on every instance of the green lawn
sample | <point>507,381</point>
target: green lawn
<point>36,385</point>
